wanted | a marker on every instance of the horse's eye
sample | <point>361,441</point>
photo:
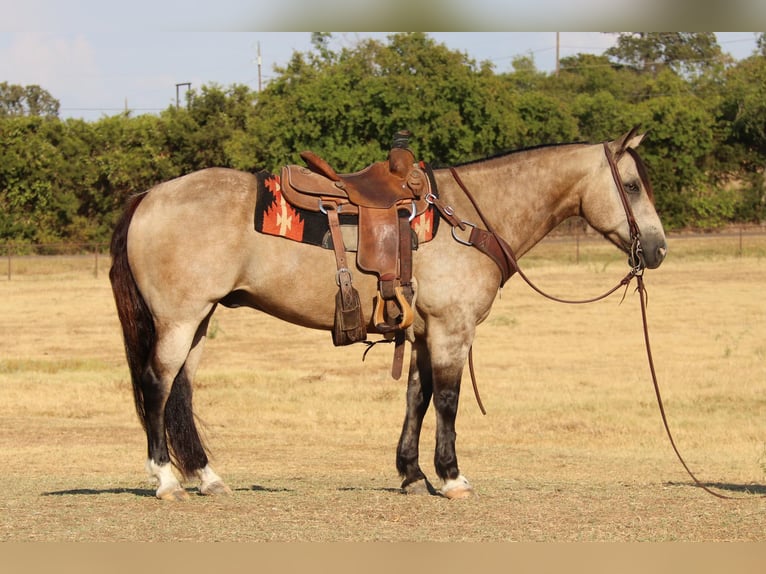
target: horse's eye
<point>632,187</point>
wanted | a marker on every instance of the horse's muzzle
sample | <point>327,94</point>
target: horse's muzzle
<point>654,253</point>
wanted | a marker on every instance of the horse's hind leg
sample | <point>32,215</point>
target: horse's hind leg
<point>156,393</point>
<point>167,405</point>
<point>210,482</point>
<point>419,390</point>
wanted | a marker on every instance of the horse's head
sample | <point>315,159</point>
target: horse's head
<point>605,210</point>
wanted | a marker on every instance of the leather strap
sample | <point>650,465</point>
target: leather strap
<point>405,275</point>
<point>495,248</point>
<point>344,273</point>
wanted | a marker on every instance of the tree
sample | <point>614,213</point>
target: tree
<point>601,116</point>
<point>599,94</point>
<point>348,107</point>
<point>545,119</point>
<point>30,162</point>
<point>682,137</point>
<point>321,43</point>
<point>686,53</point>
<point>205,134</point>
<point>525,76</point>
<point>741,152</point>
<point>744,104</point>
<point>32,100</point>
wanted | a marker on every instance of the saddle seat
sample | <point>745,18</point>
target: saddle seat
<point>377,186</point>
<point>380,185</point>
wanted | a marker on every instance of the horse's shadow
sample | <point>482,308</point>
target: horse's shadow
<point>141,492</point>
<point>389,490</point>
<point>754,489</point>
<point>145,492</point>
<point>149,493</point>
<point>260,488</point>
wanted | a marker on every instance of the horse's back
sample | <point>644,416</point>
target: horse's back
<point>225,191</point>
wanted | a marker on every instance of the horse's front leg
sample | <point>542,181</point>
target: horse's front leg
<point>448,357</point>
<point>419,392</point>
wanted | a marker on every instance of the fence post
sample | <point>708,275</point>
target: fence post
<point>739,254</point>
<point>8,247</point>
<point>577,245</point>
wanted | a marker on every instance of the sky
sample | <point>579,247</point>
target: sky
<point>99,57</point>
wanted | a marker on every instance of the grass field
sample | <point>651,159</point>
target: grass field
<point>572,447</point>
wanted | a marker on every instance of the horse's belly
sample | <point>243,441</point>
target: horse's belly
<point>296,283</point>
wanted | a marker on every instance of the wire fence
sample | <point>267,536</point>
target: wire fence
<point>573,245</point>
<point>580,245</point>
<point>31,260</point>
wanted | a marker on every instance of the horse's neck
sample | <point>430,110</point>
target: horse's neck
<point>524,195</point>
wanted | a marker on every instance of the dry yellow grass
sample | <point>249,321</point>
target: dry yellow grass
<point>572,447</point>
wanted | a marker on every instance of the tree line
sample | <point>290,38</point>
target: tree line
<point>705,114</point>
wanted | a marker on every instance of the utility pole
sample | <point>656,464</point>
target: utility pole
<point>259,67</point>
<point>188,86</point>
<point>558,45</point>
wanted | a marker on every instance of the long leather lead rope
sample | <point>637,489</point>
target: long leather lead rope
<point>642,295</point>
<point>637,268</point>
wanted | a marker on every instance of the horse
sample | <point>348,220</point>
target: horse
<point>188,245</point>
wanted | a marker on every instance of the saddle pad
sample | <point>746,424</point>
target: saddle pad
<point>275,216</point>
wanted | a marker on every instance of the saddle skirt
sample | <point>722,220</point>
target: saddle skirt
<point>276,216</point>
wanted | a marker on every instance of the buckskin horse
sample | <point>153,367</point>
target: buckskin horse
<point>189,244</point>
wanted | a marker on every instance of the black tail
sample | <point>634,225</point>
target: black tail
<point>186,446</point>
<point>136,320</point>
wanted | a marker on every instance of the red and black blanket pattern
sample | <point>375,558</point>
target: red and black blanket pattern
<point>275,216</point>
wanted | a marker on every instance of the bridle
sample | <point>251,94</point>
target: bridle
<point>634,255</point>
<point>635,260</point>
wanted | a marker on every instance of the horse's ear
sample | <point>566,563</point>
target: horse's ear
<point>630,140</point>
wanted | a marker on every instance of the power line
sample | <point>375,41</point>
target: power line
<point>122,109</point>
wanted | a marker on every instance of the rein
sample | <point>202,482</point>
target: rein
<point>636,270</point>
<point>643,296</point>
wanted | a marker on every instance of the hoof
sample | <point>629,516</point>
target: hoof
<point>419,487</point>
<point>174,495</point>
<point>217,488</point>
<point>457,488</point>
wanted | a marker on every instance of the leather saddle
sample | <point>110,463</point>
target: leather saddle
<point>386,196</point>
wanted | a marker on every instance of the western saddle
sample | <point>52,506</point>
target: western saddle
<point>385,196</point>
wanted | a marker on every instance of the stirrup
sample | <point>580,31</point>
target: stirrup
<point>408,315</point>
